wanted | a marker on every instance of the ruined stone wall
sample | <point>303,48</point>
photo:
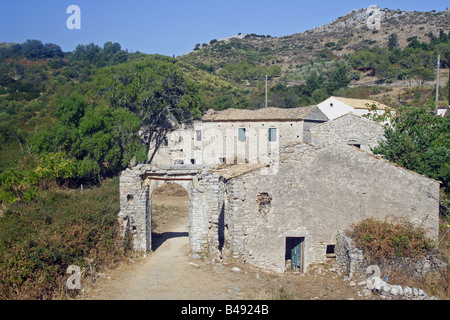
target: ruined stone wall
<point>135,207</point>
<point>316,192</point>
<point>206,215</point>
<point>348,129</point>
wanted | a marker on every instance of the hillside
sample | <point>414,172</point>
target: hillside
<point>356,30</point>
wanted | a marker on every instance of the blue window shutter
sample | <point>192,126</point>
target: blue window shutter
<point>272,134</point>
<point>241,134</point>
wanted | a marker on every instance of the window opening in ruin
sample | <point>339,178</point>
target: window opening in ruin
<point>354,143</point>
<point>294,253</point>
<point>330,251</point>
<point>264,202</point>
<point>198,135</point>
<point>272,134</point>
<point>241,134</point>
<point>130,197</point>
<point>192,161</point>
<point>166,142</point>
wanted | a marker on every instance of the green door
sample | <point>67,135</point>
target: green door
<point>296,257</point>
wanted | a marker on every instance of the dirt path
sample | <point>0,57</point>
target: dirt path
<point>167,273</point>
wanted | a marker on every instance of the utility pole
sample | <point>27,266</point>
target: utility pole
<point>437,82</point>
<point>448,66</point>
<point>266,92</point>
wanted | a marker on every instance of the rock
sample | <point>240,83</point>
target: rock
<point>194,264</point>
<point>386,288</point>
<point>362,283</point>
<point>367,293</point>
<point>407,291</point>
<point>236,269</point>
<point>395,290</point>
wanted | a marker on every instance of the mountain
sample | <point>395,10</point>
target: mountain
<point>359,29</point>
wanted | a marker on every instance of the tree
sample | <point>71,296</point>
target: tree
<point>155,90</point>
<point>337,78</point>
<point>100,141</point>
<point>420,75</point>
<point>419,141</point>
<point>393,42</point>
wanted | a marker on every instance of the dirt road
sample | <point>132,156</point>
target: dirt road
<point>167,273</point>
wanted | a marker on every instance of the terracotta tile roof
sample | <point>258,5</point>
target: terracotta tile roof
<point>361,103</point>
<point>258,115</point>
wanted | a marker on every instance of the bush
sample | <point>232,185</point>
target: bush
<point>39,240</point>
<point>383,241</point>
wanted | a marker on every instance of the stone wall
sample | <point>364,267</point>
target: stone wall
<point>135,207</point>
<point>316,192</point>
<point>348,129</point>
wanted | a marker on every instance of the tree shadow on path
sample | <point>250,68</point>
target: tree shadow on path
<point>159,238</point>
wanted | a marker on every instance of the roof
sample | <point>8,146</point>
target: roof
<point>235,170</point>
<point>349,114</point>
<point>277,114</point>
<point>361,103</point>
<point>444,112</point>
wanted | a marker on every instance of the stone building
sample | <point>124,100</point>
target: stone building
<point>260,216</point>
<point>309,179</point>
<point>237,136</point>
<point>348,129</point>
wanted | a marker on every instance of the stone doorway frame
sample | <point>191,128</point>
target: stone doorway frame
<point>136,188</point>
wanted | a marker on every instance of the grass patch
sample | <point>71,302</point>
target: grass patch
<point>39,240</point>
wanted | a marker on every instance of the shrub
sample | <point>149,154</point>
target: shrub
<point>39,240</point>
<point>383,241</point>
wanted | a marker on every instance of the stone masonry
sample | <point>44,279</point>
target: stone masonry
<point>310,194</point>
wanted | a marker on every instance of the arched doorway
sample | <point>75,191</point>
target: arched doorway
<point>170,211</point>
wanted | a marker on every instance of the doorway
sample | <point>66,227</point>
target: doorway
<point>294,253</point>
<point>170,207</point>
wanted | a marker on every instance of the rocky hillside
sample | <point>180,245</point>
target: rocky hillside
<point>358,29</point>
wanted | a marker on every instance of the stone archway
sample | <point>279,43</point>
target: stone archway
<point>136,187</point>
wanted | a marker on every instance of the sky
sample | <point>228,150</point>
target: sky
<point>174,27</point>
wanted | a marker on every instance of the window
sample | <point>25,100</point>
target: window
<point>165,142</point>
<point>264,201</point>
<point>272,134</point>
<point>198,135</point>
<point>241,134</point>
<point>330,251</point>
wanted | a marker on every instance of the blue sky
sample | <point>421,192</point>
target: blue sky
<point>173,27</point>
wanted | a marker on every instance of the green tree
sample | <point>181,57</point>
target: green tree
<point>393,42</point>
<point>100,141</point>
<point>154,89</point>
<point>419,140</point>
<point>337,78</point>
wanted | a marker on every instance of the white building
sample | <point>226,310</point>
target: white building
<point>238,136</point>
<point>335,107</point>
